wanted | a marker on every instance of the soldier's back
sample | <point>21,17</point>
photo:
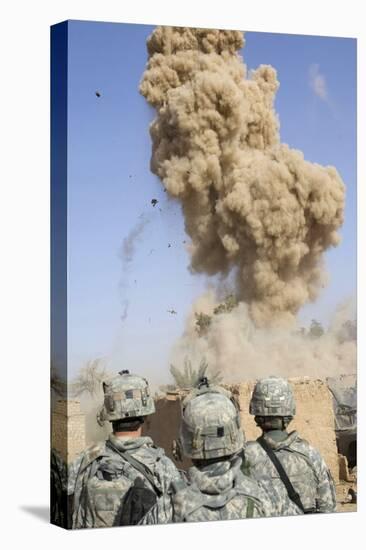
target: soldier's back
<point>109,470</point>
<point>304,467</point>
<point>229,495</point>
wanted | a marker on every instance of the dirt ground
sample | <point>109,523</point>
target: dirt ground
<point>342,488</point>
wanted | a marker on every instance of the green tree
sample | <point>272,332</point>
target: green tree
<point>90,378</point>
<point>316,329</point>
<point>203,321</point>
<point>227,305</point>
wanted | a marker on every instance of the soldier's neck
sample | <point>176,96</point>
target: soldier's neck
<point>136,433</point>
<point>277,435</point>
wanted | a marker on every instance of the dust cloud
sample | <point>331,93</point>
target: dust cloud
<point>239,350</point>
<point>253,207</point>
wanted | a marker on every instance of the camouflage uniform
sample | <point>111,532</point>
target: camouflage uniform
<point>216,492</point>
<point>273,402</point>
<point>103,479</point>
<point>216,489</point>
<point>101,476</point>
<point>305,468</point>
<point>59,504</point>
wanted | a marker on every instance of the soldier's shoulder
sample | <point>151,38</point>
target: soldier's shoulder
<point>252,449</point>
<point>248,484</point>
<point>149,449</point>
<point>92,453</point>
<point>303,447</point>
<point>251,445</point>
<point>250,488</point>
<point>149,454</point>
<point>186,501</point>
<point>156,450</point>
<point>154,454</point>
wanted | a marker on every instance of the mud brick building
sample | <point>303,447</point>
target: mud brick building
<point>68,429</point>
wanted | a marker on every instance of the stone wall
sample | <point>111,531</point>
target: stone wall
<point>68,429</point>
<point>163,426</point>
<point>314,418</point>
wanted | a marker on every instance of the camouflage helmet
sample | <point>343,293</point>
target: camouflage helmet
<point>210,425</point>
<point>126,396</point>
<point>272,397</point>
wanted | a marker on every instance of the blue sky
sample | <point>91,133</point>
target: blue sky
<point>110,187</point>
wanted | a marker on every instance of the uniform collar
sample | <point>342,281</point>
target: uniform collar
<point>216,478</point>
<point>292,436</point>
<point>129,443</point>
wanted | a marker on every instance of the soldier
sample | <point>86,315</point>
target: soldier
<point>58,486</point>
<point>212,437</point>
<point>103,475</point>
<point>280,459</point>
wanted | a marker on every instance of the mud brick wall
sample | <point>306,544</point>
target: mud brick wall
<point>68,429</point>
<point>314,419</point>
<point>163,426</point>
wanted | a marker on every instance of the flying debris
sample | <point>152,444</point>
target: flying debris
<point>154,202</point>
<point>169,245</point>
<point>172,311</point>
<point>98,94</point>
<point>151,251</point>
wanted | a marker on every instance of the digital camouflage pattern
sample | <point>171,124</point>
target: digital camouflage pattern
<point>217,491</point>
<point>58,483</point>
<point>305,468</point>
<point>210,426</point>
<point>126,396</point>
<point>272,396</point>
<point>100,479</point>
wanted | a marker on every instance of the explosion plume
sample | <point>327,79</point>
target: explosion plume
<point>251,205</point>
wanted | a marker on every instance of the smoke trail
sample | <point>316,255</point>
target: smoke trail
<point>250,203</point>
<point>126,255</point>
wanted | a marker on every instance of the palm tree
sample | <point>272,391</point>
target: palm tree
<point>188,377</point>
